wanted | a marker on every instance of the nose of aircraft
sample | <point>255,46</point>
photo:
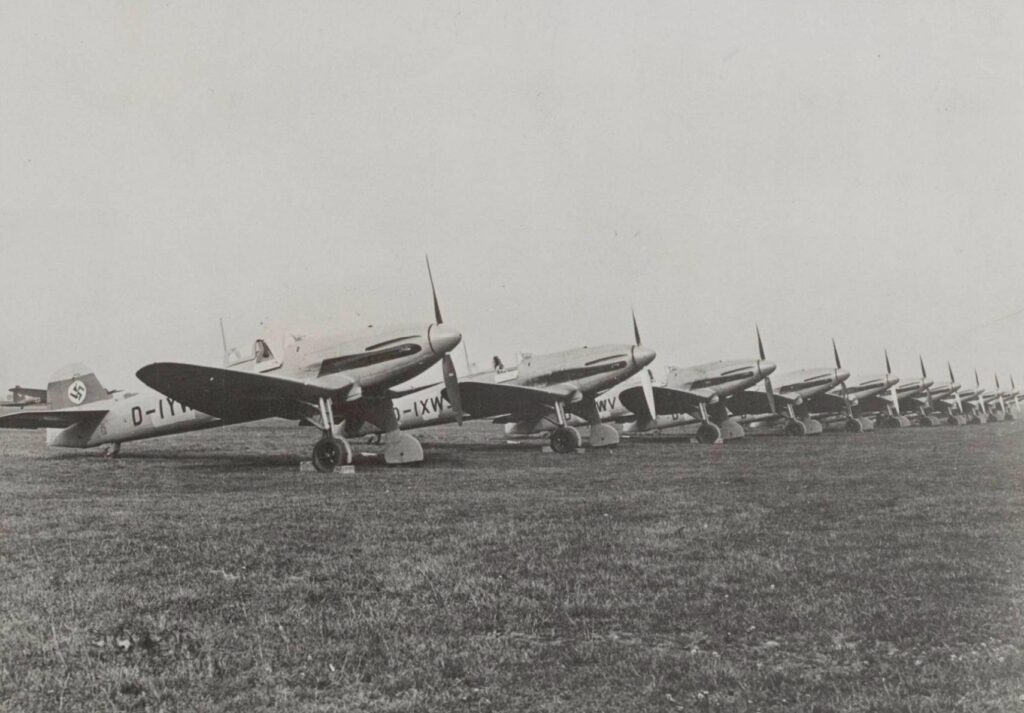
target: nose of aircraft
<point>443,338</point>
<point>642,356</point>
<point>891,380</point>
<point>842,375</point>
<point>764,368</point>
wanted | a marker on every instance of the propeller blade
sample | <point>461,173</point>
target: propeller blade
<point>835,351</point>
<point>648,387</point>
<point>451,385</point>
<point>924,376</point>
<point>981,401</point>
<point>769,391</point>
<point>893,394</point>
<point>636,329</point>
<point>956,394</point>
<point>437,307</point>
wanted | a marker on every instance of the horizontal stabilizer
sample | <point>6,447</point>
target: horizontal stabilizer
<point>482,400</point>
<point>23,392</point>
<point>63,418</point>
<point>241,395</point>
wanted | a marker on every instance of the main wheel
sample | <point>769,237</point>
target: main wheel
<point>854,425</point>
<point>328,453</point>
<point>708,432</point>
<point>565,439</point>
<point>796,428</point>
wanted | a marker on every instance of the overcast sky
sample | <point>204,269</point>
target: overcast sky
<point>847,169</point>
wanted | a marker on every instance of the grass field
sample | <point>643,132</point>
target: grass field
<point>871,572</point>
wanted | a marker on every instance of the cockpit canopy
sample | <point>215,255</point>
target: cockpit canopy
<point>261,352</point>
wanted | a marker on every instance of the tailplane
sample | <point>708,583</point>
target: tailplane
<point>74,385</point>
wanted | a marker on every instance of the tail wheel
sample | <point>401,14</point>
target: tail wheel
<point>708,432</point>
<point>796,428</point>
<point>328,453</point>
<point>565,439</point>
<point>112,450</point>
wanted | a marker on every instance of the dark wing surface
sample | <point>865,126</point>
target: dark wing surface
<point>482,400</point>
<point>749,403</point>
<point>666,400</point>
<point>826,403</point>
<point>242,395</point>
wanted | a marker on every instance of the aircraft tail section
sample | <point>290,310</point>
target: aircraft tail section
<point>74,385</point>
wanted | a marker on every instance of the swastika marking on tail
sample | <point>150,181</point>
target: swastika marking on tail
<point>76,392</point>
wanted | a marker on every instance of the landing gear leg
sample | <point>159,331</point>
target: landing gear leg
<point>707,432</point>
<point>564,439</point>
<point>330,451</point>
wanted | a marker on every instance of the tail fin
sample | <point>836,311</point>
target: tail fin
<point>74,385</point>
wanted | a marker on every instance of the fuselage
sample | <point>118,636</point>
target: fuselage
<point>375,358</point>
<point>722,378</point>
<point>806,383</point>
<point>590,370</point>
<point>131,416</point>
<point>862,387</point>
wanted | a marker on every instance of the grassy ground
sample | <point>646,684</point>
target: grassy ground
<point>869,572</point>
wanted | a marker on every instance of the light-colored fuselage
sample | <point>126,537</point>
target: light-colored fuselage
<point>131,416</point>
<point>590,370</point>
<point>723,378</point>
<point>861,387</point>
<point>806,383</point>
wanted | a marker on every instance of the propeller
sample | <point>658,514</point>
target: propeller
<point>924,378</point>
<point>977,383</point>
<point>451,378</point>
<point>768,390</point>
<point>1002,402</point>
<point>1016,396</point>
<point>892,389</point>
<point>645,375</point>
<point>842,385</point>
<point>956,394</point>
